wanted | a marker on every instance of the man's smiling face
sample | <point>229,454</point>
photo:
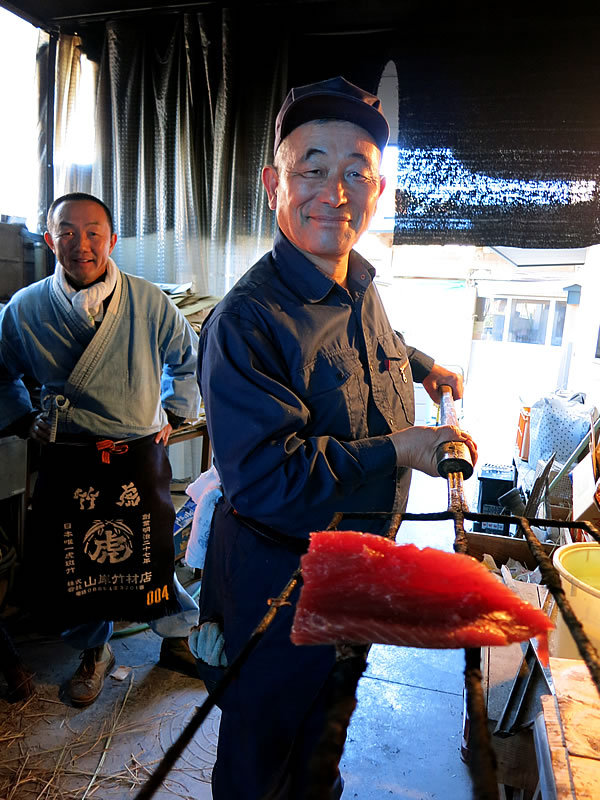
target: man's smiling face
<point>324,187</point>
<point>81,239</point>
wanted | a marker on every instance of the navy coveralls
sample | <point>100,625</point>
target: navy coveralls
<point>302,381</point>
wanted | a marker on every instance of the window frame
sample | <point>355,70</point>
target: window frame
<point>512,299</point>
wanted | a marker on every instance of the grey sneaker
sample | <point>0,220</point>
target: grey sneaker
<point>86,684</point>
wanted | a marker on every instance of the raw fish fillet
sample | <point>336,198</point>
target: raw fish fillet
<point>361,588</point>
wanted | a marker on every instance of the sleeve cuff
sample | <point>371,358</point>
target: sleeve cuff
<point>377,455</point>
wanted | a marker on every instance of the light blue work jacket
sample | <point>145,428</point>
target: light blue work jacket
<point>113,381</point>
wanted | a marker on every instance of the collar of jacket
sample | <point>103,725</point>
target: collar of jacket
<point>302,276</point>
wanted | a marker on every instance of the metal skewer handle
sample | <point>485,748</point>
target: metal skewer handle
<point>452,456</point>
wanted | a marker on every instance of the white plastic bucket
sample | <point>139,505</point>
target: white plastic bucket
<point>579,568</point>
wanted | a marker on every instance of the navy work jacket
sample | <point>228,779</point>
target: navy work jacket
<point>302,380</point>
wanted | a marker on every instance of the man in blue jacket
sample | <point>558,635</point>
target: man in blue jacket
<point>115,362</point>
<point>310,408</point>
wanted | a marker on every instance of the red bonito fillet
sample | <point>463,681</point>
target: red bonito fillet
<point>360,588</point>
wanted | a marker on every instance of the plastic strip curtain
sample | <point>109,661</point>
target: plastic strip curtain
<point>183,118</point>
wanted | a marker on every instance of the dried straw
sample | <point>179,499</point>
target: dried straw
<point>58,773</point>
<point>109,740</point>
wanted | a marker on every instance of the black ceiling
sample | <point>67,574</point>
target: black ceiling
<point>348,15</point>
<point>411,17</point>
<point>54,15</point>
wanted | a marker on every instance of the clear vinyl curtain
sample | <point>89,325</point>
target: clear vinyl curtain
<point>70,150</point>
<point>73,136</point>
<point>183,116</point>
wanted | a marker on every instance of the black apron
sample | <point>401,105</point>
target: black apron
<point>101,532</point>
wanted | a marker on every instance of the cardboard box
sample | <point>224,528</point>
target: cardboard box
<point>560,512</point>
<point>585,506</point>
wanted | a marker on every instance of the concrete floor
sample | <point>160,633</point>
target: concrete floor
<point>403,740</point>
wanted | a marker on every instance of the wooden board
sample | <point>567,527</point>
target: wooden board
<point>579,707</point>
<point>572,720</point>
<point>501,548</point>
<point>559,757</point>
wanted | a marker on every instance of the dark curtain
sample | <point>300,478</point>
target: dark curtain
<point>358,57</point>
<point>499,136</point>
<point>148,170</point>
<point>184,120</point>
<point>499,119</point>
<point>252,86</point>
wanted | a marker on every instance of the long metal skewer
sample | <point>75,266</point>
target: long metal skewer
<point>455,464</point>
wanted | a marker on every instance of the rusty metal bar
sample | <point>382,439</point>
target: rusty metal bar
<point>551,579</point>
<point>473,516</point>
<point>350,663</point>
<point>479,755</point>
<point>456,466</point>
<point>458,506</point>
<point>481,758</point>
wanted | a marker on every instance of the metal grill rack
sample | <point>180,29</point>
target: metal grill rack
<point>351,660</point>
<point>454,464</point>
<point>481,760</point>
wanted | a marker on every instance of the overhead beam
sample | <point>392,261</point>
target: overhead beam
<point>37,22</point>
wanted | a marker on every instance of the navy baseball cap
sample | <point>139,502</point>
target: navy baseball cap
<point>335,98</point>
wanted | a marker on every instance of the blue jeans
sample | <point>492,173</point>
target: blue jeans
<point>94,634</point>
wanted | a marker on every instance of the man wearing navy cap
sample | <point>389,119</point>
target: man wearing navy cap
<point>310,408</point>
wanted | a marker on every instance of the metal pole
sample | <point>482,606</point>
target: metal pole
<point>455,464</point>
<point>583,444</point>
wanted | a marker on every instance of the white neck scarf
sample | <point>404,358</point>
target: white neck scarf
<point>88,302</point>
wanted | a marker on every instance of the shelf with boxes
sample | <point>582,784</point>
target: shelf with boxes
<point>22,259</point>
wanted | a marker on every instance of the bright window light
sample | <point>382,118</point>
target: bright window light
<point>79,145</point>
<point>383,219</point>
<point>19,161</point>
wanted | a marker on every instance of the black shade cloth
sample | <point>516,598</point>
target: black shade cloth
<point>498,122</point>
<point>101,532</point>
<point>499,138</point>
